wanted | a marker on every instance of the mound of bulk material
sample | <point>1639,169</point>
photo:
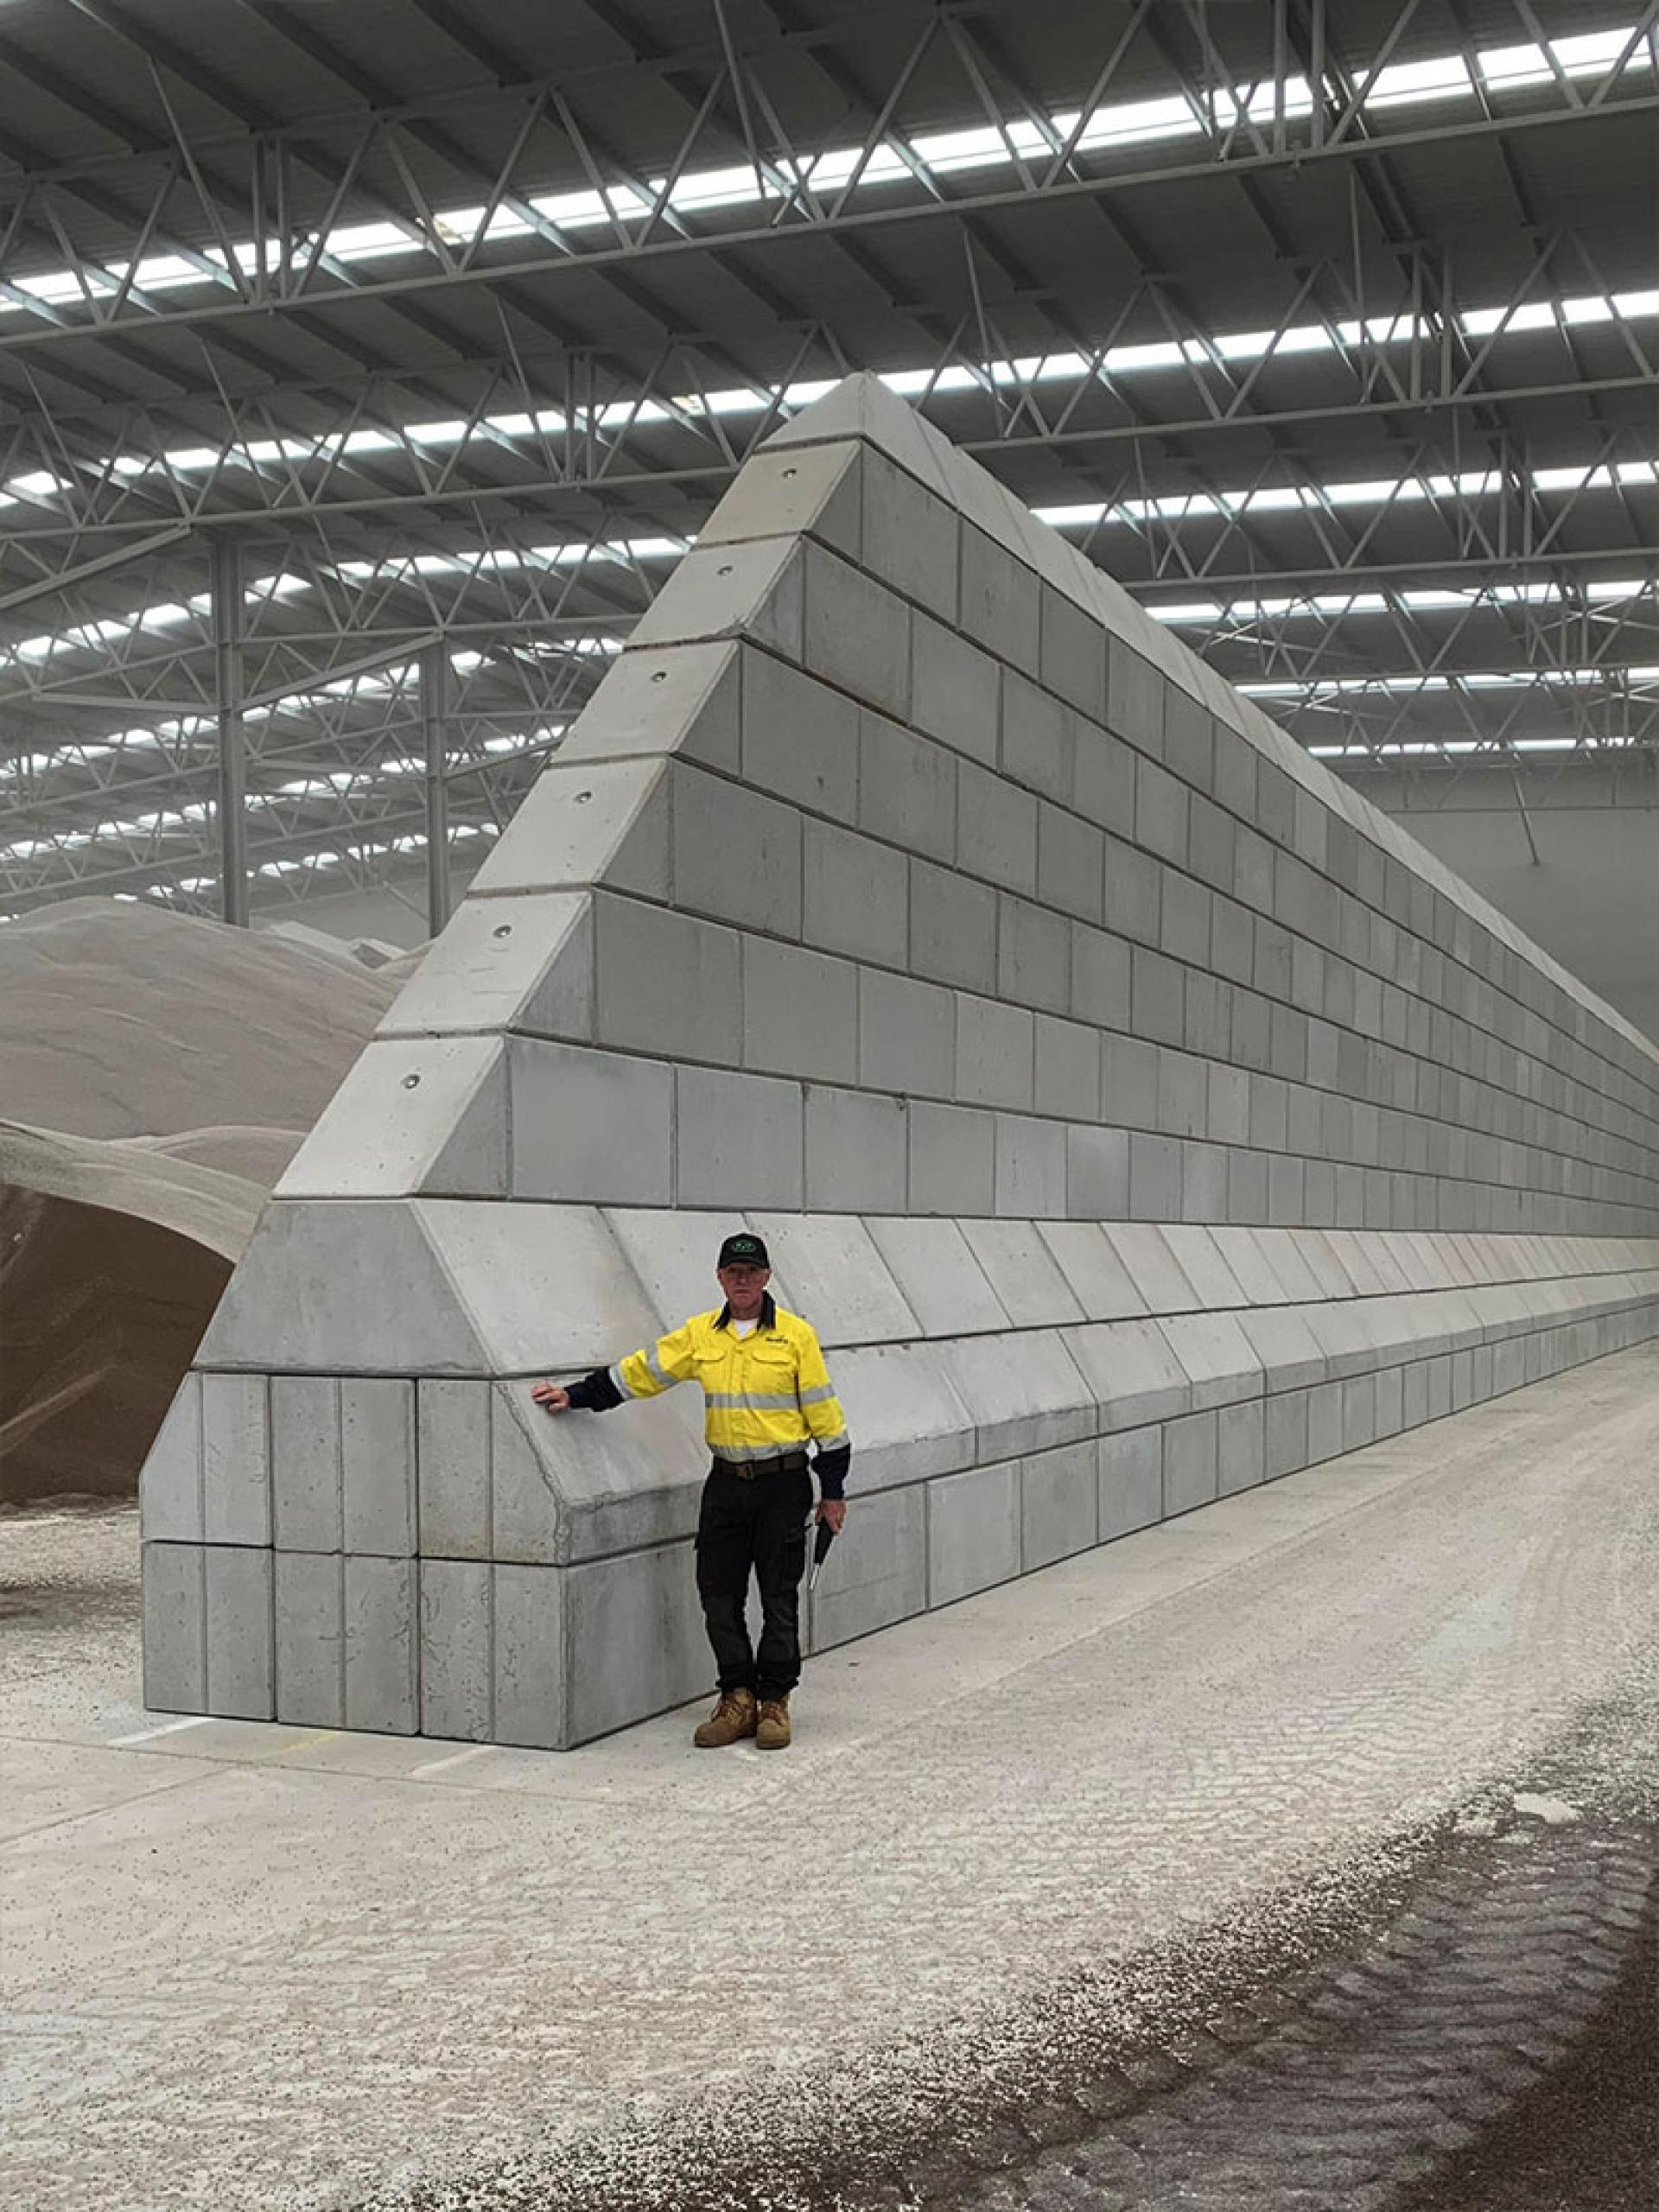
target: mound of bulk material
<point>156,1074</point>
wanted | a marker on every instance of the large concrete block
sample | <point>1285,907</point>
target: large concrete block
<point>1198,1256</point>
<point>738,1139</point>
<point>308,1595</point>
<point>377,1442</point>
<point>679,699</point>
<point>306,1481</point>
<point>952,928</point>
<point>906,1035</point>
<point>857,632</point>
<point>1094,1272</point>
<point>1216,1357</point>
<point>453,1460</point>
<point>1060,1505</point>
<point>1132,893</point>
<point>1030,1167</point>
<point>838,1277</point>
<point>800,1013</point>
<point>1104,785</point>
<point>876,1571</point>
<point>1038,738</point>
<point>169,1488</point>
<point>906,788</point>
<point>418,1114</point>
<point>1100,977</point>
<point>1146,1257</point>
<point>175,1628</point>
<point>574,1486</point>
<point>641,1611</point>
<point>1020,1268</point>
<point>910,536</point>
<point>955,689</point>
<point>539,1284</point>
<point>1033,955</point>
<point>240,1632</point>
<point>1071,862</point>
<point>666,984</point>
<point>973,1532</point>
<point>1096,1174</point>
<point>800,737</point>
<point>1073,653</point>
<point>1129,1480</point>
<point>590,1128</point>
<point>1067,1070</point>
<point>1191,1469</point>
<point>1241,1447</point>
<point>1133,1375</point>
<point>455,1639</point>
<point>942,1282</point>
<point>906,1418</point>
<point>996,1053</point>
<point>1026,1396</point>
<point>952,1160</point>
<point>725,591</point>
<point>519,962</point>
<point>585,822</point>
<point>857,1152</point>
<point>529,1687</point>
<point>996,829</point>
<point>1000,601</point>
<point>381,1645</point>
<point>1285,1441</point>
<point>714,818</point>
<point>817,490</point>
<point>855,896</point>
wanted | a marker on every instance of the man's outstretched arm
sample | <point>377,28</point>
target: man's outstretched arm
<point>643,1374</point>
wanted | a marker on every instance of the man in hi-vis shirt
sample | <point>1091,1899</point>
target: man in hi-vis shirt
<point>767,1395</point>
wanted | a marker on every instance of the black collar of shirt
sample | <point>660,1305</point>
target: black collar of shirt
<point>769,1313</point>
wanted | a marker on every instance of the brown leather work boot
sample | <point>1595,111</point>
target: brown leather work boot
<point>771,1732</point>
<point>732,1719</point>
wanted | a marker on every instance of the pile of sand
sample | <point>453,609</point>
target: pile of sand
<point>156,1075</point>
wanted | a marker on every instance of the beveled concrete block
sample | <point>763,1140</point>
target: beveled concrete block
<point>176,1628</point>
<point>235,1460</point>
<point>752,590</point>
<point>309,1600</point>
<point>1216,1357</point>
<point>583,823</point>
<point>738,1139</point>
<point>800,1017</point>
<point>1060,1506</point>
<point>1129,1480</point>
<point>1030,1400</point>
<point>1190,1467</point>
<point>415,1114</point>
<point>456,1638</point>
<point>906,1035</point>
<point>973,1532</point>
<point>942,1282</point>
<point>905,1413</point>
<point>1095,1275</point>
<point>381,1646</point>
<point>305,1462</point>
<point>876,1570</point>
<point>816,489</point>
<point>674,699</point>
<point>377,1440</point>
<point>857,1152</point>
<point>1022,1269</point>
<point>1133,1375</point>
<point>517,961</point>
<point>838,1277</point>
<point>240,1630</point>
<point>952,1160</point>
<point>590,1128</point>
<point>800,737</point>
<point>169,1489</point>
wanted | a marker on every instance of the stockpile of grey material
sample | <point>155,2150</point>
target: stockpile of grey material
<point>156,1075</point>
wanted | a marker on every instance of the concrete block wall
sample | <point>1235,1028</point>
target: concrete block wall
<point>1137,1114</point>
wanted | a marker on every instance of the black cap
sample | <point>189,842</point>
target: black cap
<point>743,1250</point>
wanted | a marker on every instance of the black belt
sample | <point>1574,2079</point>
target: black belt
<point>746,1470</point>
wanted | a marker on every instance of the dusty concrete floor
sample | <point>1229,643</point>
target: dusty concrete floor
<point>256,1965</point>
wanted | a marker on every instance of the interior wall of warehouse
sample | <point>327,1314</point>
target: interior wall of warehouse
<point>1591,897</point>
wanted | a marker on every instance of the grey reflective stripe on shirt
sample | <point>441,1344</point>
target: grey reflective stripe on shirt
<point>751,1402</point>
<point>817,1396</point>
<point>832,1443</point>
<point>622,1382</point>
<point>759,1451</point>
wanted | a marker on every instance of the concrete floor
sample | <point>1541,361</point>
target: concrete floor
<point>252,1965</point>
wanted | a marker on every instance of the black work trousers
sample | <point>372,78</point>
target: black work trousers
<point>755,1527</point>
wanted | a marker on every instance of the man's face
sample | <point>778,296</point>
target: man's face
<point>745,1286</point>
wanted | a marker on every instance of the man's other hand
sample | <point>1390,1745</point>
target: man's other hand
<point>834,1511</point>
<point>550,1398</point>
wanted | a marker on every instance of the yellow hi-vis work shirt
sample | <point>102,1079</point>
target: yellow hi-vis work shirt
<point>763,1394</point>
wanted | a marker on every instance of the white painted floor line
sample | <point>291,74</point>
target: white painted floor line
<point>167,1728</point>
<point>454,1758</point>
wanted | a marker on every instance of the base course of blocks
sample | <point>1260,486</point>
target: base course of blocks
<point>1138,1114</point>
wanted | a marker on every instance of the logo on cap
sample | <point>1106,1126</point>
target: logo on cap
<point>745,1249</point>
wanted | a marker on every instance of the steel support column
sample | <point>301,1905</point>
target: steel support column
<point>233,738</point>
<point>434,724</point>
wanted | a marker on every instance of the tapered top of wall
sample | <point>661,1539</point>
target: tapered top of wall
<point>863,407</point>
